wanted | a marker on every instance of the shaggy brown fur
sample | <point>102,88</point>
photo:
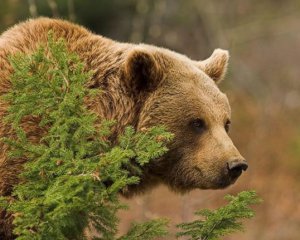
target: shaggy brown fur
<point>142,86</point>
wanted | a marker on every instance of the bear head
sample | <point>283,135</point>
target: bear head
<point>183,95</point>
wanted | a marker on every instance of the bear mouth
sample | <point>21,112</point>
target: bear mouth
<point>195,178</point>
<point>224,180</point>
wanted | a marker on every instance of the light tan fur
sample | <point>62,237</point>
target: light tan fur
<point>142,85</point>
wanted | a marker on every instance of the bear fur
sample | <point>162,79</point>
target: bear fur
<point>142,85</point>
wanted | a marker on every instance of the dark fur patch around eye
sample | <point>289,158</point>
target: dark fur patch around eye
<point>198,125</point>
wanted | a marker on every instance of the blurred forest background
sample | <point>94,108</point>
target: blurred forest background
<point>263,85</point>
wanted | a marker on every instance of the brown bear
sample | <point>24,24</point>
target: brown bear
<point>142,85</point>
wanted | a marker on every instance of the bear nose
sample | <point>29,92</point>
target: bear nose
<point>236,167</point>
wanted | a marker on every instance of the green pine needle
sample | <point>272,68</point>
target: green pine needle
<point>146,231</point>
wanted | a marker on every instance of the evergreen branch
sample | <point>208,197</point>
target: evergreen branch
<point>72,176</point>
<point>221,221</point>
<point>147,231</point>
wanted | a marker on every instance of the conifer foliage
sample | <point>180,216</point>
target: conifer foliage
<point>222,221</point>
<point>73,175</point>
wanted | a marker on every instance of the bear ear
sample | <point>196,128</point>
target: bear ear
<point>216,65</point>
<point>142,71</point>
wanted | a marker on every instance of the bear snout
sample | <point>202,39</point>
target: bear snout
<point>236,167</point>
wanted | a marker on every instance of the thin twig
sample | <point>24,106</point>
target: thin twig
<point>53,6</point>
<point>32,8</point>
<point>71,9</point>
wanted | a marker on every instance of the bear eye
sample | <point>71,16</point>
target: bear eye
<point>198,125</point>
<point>227,125</point>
